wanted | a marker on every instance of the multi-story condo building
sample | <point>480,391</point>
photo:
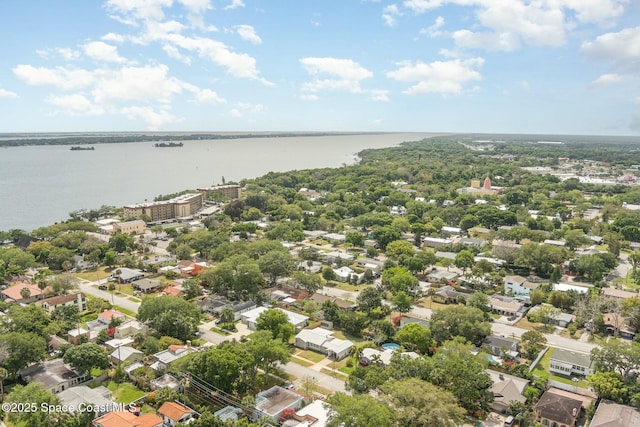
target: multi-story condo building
<point>178,207</point>
<point>232,191</point>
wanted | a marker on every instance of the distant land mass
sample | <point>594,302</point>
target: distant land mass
<point>23,139</point>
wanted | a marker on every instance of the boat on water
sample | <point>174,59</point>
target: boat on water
<point>168,144</point>
<point>79,148</point>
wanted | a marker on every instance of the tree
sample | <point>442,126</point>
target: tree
<point>30,318</point>
<point>414,337</point>
<point>398,279</point>
<point>25,293</point>
<point>617,356</point>
<point>276,264</point>
<point>609,385</point>
<point>110,258</point>
<point>464,259</point>
<point>35,395</point>
<point>385,234</point>
<point>544,313</point>
<point>531,343</point>
<point>62,284</point>
<point>277,322</point>
<point>67,316</point>
<point>455,368</point>
<point>192,289</point>
<point>359,410</point>
<point>237,277</point>
<point>575,238</point>
<point>369,299</point>
<point>466,322</point>
<point>4,374</point>
<point>121,242</point>
<point>21,349</point>
<point>227,315</point>
<point>85,357</point>
<point>402,302</point>
<point>267,352</point>
<point>157,229</point>
<point>170,316</point>
<point>398,248</point>
<point>328,274</point>
<point>308,281</point>
<point>150,345</point>
<point>183,251</point>
<point>354,238</point>
<point>226,367</point>
<point>480,301</point>
<point>540,257</point>
<point>419,403</point>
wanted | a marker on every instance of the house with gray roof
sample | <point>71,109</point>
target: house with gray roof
<point>556,409</point>
<point>125,354</point>
<point>448,295</point>
<point>499,346</point>
<point>147,285</point>
<point>98,398</point>
<point>611,414</point>
<point>323,341</point>
<point>54,375</point>
<point>270,403</point>
<point>128,275</point>
<point>506,389</point>
<point>568,362</point>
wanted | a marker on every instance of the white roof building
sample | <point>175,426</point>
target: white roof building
<point>250,318</point>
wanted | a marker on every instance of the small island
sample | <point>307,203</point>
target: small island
<point>168,144</point>
<point>79,148</point>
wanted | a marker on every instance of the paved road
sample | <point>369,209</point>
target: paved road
<point>552,339</point>
<point>324,380</point>
<point>88,288</point>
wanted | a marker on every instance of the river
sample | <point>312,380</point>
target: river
<point>40,185</point>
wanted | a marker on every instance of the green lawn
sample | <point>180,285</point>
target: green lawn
<point>134,299</point>
<point>124,311</point>
<point>542,370</point>
<point>125,392</point>
<point>311,355</point>
<point>93,275</point>
<point>302,362</point>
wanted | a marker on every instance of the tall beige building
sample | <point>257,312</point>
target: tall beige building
<point>232,191</point>
<point>178,207</point>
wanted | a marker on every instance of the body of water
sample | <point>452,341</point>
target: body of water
<point>40,185</point>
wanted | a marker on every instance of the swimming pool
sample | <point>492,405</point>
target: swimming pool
<point>390,346</point>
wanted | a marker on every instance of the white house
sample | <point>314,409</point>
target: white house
<point>322,340</point>
<point>346,274</point>
<point>250,318</point>
<point>519,286</point>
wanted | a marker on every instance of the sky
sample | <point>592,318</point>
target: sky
<point>491,66</point>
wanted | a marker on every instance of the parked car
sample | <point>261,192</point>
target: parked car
<point>103,287</point>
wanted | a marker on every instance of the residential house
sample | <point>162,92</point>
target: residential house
<point>566,287</point>
<point>335,238</point>
<point>500,346</point>
<point>112,344</point>
<point>448,295</point>
<point>506,306</point>
<point>446,255</point>
<point>173,290</point>
<point>568,363</point>
<point>382,357</point>
<point>250,318</point>
<point>611,414</point>
<point>53,374</point>
<point>147,285</point>
<point>80,335</point>
<point>173,413</point>
<point>125,354</point>
<point>561,320</point>
<point>323,341</point>
<point>315,414</point>
<point>80,396</point>
<point>166,357</point>
<point>79,300</point>
<point>229,413</point>
<point>618,293</point>
<point>333,257</point>
<point>450,230</point>
<point>558,408</point>
<point>437,275</point>
<point>14,293</point>
<point>167,381</point>
<point>314,234</point>
<point>616,325</point>
<point>506,389</point>
<point>473,243</point>
<point>108,315</point>
<point>372,264</point>
<point>270,403</point>
<point>435,242</point>
<point>128,419</point>
<point>130,329</point>
<point>501,248</point>
<point>348,275</point>
<point>519,286</point>
<point>310,266</point>
<point>408,320</point>
<point>558,243</point>
<point>127,275</point>
<point>214,304</point>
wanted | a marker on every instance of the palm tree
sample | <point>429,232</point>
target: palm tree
<point>42,285</point>
<point>25,293</point>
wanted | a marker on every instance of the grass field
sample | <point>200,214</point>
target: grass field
<point>125,311</point>
<point>302,362</point>
<point>125,392</point>
<point>93,275</point>
<point>311,355</point>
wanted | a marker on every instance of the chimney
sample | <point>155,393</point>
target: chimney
<point>575,412</point>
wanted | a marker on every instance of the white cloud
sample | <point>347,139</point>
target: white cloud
<point>149,83</point>
<point>524,85</point>
<point>347,74</point>
<point>235,4</point>
<point>389,14</point>
<point>622,47</point>
<point>309,97</point>
<point>75,104</point>
<point>379,95</point>
<point>445,77</point>
<point>242,108</point>
<point>59,77</point>
<point>130,11</point>
<point>434,30</point>
<point>102,51</point>
<point>4,93</point>
<point>207,96</point>
<point>174,53</point>
<point>196,6</point>
<point>154,119</point>
<point>65,53</point>
<point>113,37</point>
<point>506,24</point>
<point>247,32</point>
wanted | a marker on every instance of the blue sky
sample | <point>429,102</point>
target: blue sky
<point>508,66</point>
